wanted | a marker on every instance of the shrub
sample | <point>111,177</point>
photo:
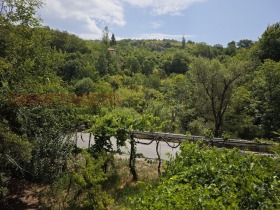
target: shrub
<point>201,178</point>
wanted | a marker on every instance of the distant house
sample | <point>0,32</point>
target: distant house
<point>112,51</point>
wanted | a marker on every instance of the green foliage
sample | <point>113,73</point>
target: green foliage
<point>131,99</point>
<point>105,36</point>
<point>245,43</point>
<point>68,43</point>
<point>3,185</point>
<point>49,130</point>
<point>161,85</point>
<point>80,187</point>
<point>240,119</point>
<point>202,50</point>
<point>269,43</point>
<point>178,64</point>
<point>231,49</point>
<point>15,150</point>
<point>15,153</point>
<point>216,82</point>
<point>20,11</point>
<point>202,178</point>
<point>266,90</point>
<point>84,86</point>
<point>183,43</point>
<point>113,124</point>
<point>225,136</point>
<point>113,40</point>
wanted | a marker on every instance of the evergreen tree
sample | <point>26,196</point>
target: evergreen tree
<point>113,40</point>
<point>183,43</point>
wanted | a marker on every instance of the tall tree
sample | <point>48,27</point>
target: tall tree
<point>183,43</point>
<point>269,43</point>
<point>266,92</point>
<point>231,48</point>
<point>105,36</point>
<point>217,82</point>
<point>20,11</point>
<point>244,43</point>
<point>113,40</point>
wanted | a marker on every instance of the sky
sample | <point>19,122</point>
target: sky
<point>209,21</point>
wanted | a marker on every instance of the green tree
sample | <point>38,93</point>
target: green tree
<point>102,65</point>
<point>183,43</point>
<point>245,43</point>
<point>175,90</point>
<point>179,64</point>
<point>113,40</point>
<point>20,11</point>
<point>28,69</point>
<point>203,50</point>
<point>148,67</point>
<point>132,63</point>
<point>84,86</point>
<point>269,43</point>
<point>231,49</point>
<point>242,118</point>
<point>217,50</point>
<point>80,187</point>
<point>105,36</point>
<point>218,83</point>
<point>266,92</point>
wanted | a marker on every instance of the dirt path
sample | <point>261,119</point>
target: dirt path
<point>23,196</point>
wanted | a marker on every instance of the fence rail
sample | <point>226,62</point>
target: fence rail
<point>218,142</point>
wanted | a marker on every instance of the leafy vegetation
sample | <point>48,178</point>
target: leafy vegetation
<point>52,82</point>
<point>203,178</point>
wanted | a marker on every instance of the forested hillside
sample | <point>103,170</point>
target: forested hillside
<point>52,82</point>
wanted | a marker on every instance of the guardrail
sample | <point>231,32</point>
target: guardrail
<point>218,142</point>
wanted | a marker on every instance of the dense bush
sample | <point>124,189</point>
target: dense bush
<point>202,178</point>
<point>80,187</point>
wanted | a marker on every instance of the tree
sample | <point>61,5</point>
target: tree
<point>179,64</point>
<point>84,86</point>
<point>105,36</point>
<point>20,11</point>
<point>183,43</point>
<point>203,50</point>
<point>147,67</point>
<point>175,99</point>
<point>132,63</point>
<point>244,43</point>
<point>27,68</point>
<point>102,65</point>
<point>218,83</point>
<point>113,40</point>
<point>266,92</point>
<point>217,50</point>
<point>269,43</point>
<point>231,49</point>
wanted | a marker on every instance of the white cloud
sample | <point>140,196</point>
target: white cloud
<point>161,36</point>
<point>156,24</point>
<point>163,7</point>
<point>87,18</point>
<point>86,13</point>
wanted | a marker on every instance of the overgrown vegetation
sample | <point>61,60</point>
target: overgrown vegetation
<point>203,178</point>
<point>52,82</point>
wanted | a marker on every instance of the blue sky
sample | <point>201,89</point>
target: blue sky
<point>209,21</point>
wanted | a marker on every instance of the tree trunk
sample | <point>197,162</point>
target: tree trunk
<point>132,159</point>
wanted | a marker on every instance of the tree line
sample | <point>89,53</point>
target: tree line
<point>161,85</point>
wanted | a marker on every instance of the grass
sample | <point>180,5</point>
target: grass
<point>120,186</point>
